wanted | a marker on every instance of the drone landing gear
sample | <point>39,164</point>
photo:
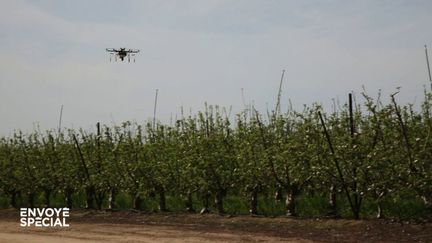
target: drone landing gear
<point>115,57</point>
<point>129,57</point>
<point>133,57</point>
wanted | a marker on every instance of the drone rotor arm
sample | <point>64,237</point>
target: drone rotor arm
<point>112,50</point>
<point>133,51</point>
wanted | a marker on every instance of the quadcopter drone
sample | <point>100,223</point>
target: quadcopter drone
<point>122,53</point>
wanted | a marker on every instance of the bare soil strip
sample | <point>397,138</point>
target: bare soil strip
<point>129,226</point>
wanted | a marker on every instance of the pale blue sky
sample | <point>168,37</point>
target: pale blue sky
<point>198,51</point>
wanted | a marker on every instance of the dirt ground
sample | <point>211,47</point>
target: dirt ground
<point>130,226</point>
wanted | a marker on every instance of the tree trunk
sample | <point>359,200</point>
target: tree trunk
<point>90,194</point>
<point>68,195</point>
<point>31,199</point>
<point>356,207</point>
<point>278,194</point>
<point>427,199</point>
<point>99,199</point>
<point>13,202</point>
<point>333,202</point>
<point>206,203</point>
<point>254,202</point>
<point>219,202</point>
<point>291,193</point>
<point>356,212</point>
<point>162,200</point>
<point>137,202</point>
<point>380,214</point>
<point>111,200</point>
<point>189,202</point>
<point>47,194</point>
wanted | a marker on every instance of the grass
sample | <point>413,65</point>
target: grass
<point>402,206</point>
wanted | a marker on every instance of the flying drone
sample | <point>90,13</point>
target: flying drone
<point>122,53</point>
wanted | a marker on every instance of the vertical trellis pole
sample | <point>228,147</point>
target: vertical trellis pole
<point>154,110</point>
<point>427,62</point>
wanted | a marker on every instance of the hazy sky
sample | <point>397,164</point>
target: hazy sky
<point>53,53</point>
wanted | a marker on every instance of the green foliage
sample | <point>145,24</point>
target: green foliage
<point>373,155</point>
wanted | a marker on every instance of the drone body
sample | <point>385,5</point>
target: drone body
<point>122,53</point>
